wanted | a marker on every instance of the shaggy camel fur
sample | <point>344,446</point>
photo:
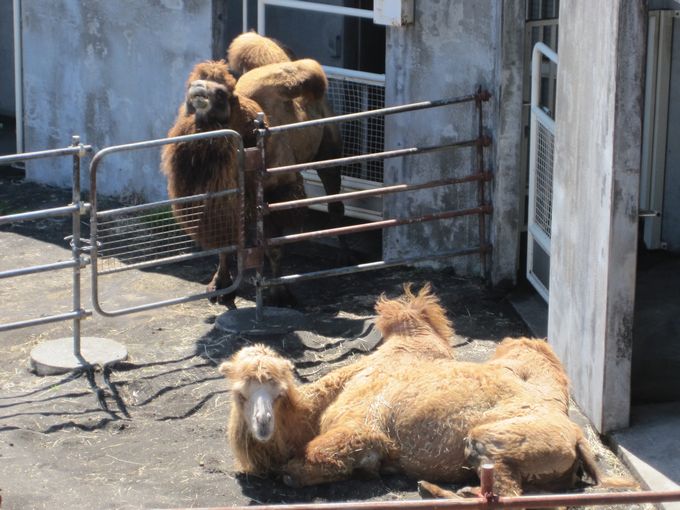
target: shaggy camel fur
<point>441,420</point>
<point>250,50</point>
<point>216,101</point>
<point>272,418</point>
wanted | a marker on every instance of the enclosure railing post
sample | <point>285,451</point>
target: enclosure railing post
<point>260,175</point>
<point>75,247</point>
<point>486,483</point>
<point>482,141</point>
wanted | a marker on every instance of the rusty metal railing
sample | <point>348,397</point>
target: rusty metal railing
<point>479,174</point>
<point>486,500</point>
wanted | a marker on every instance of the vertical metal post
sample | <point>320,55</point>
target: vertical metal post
<point>481,191</point>
<point>260,175</point>
<point>75,246</point>
<point>486,481</point>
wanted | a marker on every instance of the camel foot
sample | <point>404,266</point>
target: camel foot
<point>224,299</point>
<point>469,492</point>
<point>280,297</point>
<point>290,481</point>
<point>428,490</point>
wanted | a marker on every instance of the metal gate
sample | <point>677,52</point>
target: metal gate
<point>541,144</point>
<point>165,232</point>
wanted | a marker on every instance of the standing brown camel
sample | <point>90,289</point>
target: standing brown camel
<point>286,92</point>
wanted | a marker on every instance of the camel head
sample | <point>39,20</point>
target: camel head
<point>261,382</point>
<point>210,93</point>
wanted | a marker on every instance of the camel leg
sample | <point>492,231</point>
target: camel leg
<point>221,280</point>
<point>337,455</point>
<point>537,448</point>
<point>428,490</point>
<point>332,181</point>
<point>279,295</point>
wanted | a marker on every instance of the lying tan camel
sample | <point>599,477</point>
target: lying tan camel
<point>439,419</point>
<point>273,418</point>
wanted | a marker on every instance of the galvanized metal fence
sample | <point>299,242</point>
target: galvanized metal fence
<point>79,259</point>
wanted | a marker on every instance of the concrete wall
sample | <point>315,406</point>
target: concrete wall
<point>452,48</point>
<point>595,203</point>
<point>6,59</point>
<point>112,72</point>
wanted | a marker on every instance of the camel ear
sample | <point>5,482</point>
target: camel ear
<point>226,369</point>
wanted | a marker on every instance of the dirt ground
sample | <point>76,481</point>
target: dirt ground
<point>150,433</point>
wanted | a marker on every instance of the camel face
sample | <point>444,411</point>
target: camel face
<point>258,400</point>
<point>209,102</point>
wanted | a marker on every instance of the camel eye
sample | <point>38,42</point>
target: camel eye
<point>221,95</point>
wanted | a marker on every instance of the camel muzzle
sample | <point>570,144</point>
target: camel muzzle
<point>199,95</point>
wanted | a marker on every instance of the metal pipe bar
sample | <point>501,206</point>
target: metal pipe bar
<point>37,269</point>
<point>80,314</point>
<point>410,151</point>
<point>375,225</point>
<point>50,153</point>
<point>168,302</point>
<point>75,245</point>
<point>502,502</point>
<point>66,210</point>
<point>363,77</point>
<point>260,237</point>
<point>481,192</point>
<point>384,190</point>
<point>18,74</point>
<point>168,260</point>
<point>390,110</point>
<point>320,7</point>
<point>369,266</point>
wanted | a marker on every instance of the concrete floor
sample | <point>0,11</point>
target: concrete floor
<point>650,447</point>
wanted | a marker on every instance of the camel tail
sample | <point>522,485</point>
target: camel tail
<point>594,471</point>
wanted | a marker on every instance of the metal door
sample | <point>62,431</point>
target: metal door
<point>541,143</point>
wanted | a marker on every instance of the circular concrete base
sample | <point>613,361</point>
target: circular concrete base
<point>56,356</point>
<point>275,321</point>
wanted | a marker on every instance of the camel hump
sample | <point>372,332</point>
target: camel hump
<point>593,470</point>
<point>250,50</point>
<point>412,309</point>
<point>285,80</point>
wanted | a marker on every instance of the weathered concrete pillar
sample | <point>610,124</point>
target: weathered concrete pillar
<point>595,202</point>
